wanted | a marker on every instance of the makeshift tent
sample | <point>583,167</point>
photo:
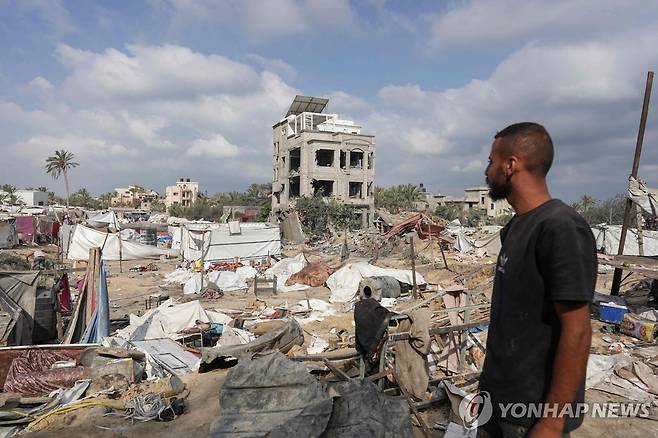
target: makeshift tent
<point>107,219</point>
<point>8,235</point>
<point>47,228</point>
<point>18,292</point>
<point>215,242</point>
<point>607,239</point>
<point>83,239</point>
<point>167,320</point>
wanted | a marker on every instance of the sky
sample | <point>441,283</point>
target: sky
<point>151,91</point>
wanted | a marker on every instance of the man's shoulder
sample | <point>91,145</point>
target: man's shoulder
<point>560,214</point>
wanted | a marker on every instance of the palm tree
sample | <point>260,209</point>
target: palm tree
<point>59,164</point>
<point>10,195</point>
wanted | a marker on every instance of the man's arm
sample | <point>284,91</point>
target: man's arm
<point>570,364</point>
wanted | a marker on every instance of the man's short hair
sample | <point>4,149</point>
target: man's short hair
<point>532,142</point>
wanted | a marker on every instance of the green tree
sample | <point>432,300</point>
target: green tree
<point>317,214</point>
<point>105,199</point>
<point>398,198</point>
<point>58,165</point>
<point>82,198</point>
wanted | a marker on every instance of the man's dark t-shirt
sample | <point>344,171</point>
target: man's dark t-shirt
<point>548,254</point>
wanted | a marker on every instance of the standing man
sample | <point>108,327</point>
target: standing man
<point>540,333</point>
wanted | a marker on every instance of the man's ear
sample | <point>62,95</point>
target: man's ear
<point>511,165</point>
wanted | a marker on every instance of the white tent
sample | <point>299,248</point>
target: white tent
<point>83,238</point>
<point>607,237</point>
<point>217,243</point>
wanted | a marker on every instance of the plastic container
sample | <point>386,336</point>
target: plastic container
<point>611,312</point>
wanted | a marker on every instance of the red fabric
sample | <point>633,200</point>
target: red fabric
<point>31,373</point>
<point>64,294</point>
<point>25,227</point>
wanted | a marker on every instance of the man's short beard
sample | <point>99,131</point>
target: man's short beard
<point>499,191</point>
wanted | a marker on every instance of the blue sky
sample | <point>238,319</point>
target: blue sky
<point>148,92</point>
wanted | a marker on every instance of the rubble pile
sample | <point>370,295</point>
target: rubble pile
<point>381,333</point>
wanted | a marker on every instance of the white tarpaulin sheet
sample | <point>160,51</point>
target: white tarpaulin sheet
<point>255,241</point>
<point>645,197</point>
<point>344,283</point>
<point>107,219</point>
<point>607,237</point>
<point>84,238</point>
<point>284,268</point>
<point>167,320</point>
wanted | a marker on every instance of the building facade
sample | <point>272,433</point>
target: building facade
<point>32,198</point>
<point>184,193</point>
<point>134,196</point>
<point>319,154</point>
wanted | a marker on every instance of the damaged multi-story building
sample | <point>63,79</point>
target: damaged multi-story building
<point>320,154</point>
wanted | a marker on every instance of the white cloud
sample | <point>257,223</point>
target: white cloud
<point>262,21</point>
<point>150,72</point>
<point>216,147</point>
<point>41,84</point>
<point>492,22</point>
<point>274,65</point>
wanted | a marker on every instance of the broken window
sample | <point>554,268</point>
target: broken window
<point>295,159</point>
<point>369,189</point>
<point>343,160</point>
<point>356,190</point>
<point>492,205</point>
<point>324,157</point>
<point>323,187</point>
<point>370,160</point>
<point>294,187</point>
<point>356,159</point>
<point>482,200</point>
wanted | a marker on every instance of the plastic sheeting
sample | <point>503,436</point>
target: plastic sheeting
<point>271,396</point>
<point>645,197</point>
<point>214,242</point>
<point>83,239</point>
<point>607,238</point>
<point>167,320</point>
<point>8,236</point>
<point>107,219</point>
<point>283,269</point>
<point>344,283</point>
<point>99,326</point>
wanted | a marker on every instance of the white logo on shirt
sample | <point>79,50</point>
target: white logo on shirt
<point>502,260</point>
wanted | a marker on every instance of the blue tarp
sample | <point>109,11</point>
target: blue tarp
<point>99,325</point>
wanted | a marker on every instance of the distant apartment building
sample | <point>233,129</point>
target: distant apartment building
<point>184,193</point>
<point>474,197</point>
<point>320,154</point>
<point>134,196</point>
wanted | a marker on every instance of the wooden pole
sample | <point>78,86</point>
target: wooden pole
<point>203,256</point>
<point>120,253</point>
<point>616,279</point>
<point>413,268</point>
<point>640,240</point>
